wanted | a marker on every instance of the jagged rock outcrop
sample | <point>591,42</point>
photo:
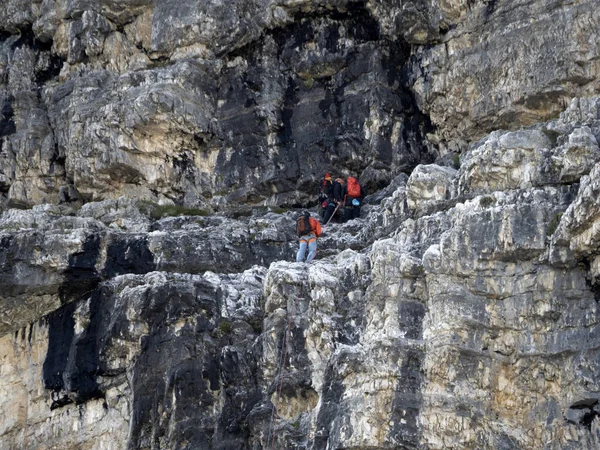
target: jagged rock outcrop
<point>159,153</point>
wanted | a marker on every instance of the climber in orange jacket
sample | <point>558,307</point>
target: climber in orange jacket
<point>308,230</point>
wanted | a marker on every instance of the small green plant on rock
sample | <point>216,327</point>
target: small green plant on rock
<point>552,135</point>
<point>487,201</point>
<point>19,205</point>
<point>553,224</point>
<point>278,210</point>
<point>256,325</point>
<point>225,327</point>
<point>456,161</point>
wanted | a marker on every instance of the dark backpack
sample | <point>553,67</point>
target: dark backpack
<point>353,187</point>
<point>303,225</point>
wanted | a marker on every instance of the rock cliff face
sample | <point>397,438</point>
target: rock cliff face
<point>202,103</point>
<point>153,159</point>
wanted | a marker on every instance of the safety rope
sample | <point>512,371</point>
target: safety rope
<point>333,214</point>
<point>271,437</point>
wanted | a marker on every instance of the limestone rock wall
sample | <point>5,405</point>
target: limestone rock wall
<point>212,105</point>
<point>499,64</point>
<point>154,156</point>
<point>201,103</point>
<point>469,319</point>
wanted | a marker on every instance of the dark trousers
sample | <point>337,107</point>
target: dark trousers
<point>351,212</point>
<point>329,212</point>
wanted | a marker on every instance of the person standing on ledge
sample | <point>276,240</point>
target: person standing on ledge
<point>353,199</point>
<point>326,194</point>
<point>335,200</point>
<point>308,230</point>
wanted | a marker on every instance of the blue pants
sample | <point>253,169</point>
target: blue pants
<point>310,242</point>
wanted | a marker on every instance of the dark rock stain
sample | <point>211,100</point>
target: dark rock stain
<point>60,336</point>
<point>408,400</point>
<point>127,254</point>
<point>320,120</point>
<point>81,275</point>
<point>7,123</point>
<point>490,8</point>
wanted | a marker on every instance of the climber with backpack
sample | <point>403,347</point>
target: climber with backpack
<point>336,202</point>
<point>353,198</point>
<point>325,193</point>
<point>308,230</point>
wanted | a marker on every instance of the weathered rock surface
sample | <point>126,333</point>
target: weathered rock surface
<point>201,103</point>
<point>465,317</point>
<point>206,104</point>
<point>500,64</point>
<point>163,149</point>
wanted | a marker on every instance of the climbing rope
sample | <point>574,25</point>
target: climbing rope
<point>271,437</point>
<point>333,214</point>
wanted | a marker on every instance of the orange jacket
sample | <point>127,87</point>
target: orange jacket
<point>315,226</point>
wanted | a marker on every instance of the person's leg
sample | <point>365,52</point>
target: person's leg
<point>312,249</point>
<point>339,215</point>
<point>301,251</point>
<point>357,212</point>
<point>328,212</point>
<point>348,214</point>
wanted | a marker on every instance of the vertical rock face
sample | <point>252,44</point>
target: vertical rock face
<point>202,104</point>
<point>494,64</point>
<point>153,158</point>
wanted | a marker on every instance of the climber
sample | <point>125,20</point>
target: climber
<point>336,201</point>
<point>308,230</point>
<point>325,193</point>
<point>353,197</point>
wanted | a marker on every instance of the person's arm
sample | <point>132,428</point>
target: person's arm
<point>315,226</point>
